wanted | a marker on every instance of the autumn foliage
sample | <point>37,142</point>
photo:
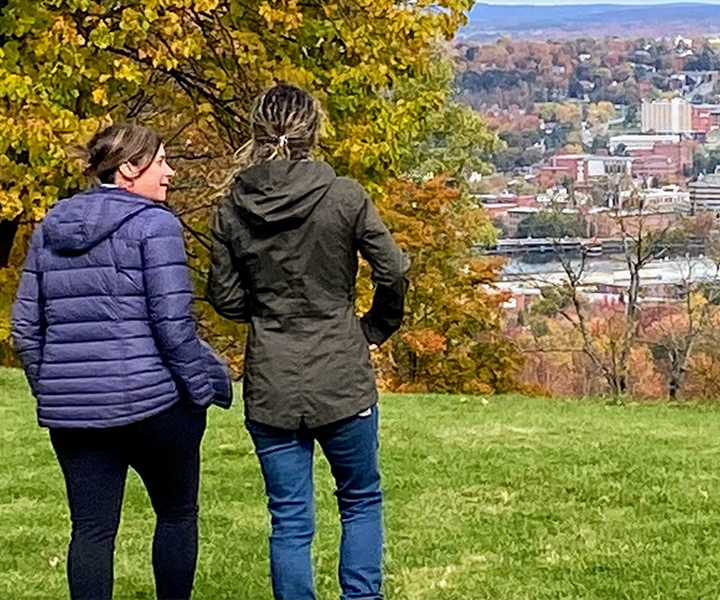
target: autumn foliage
<point>452,338</point>
<point>676,354</point>
<point>191,70</point>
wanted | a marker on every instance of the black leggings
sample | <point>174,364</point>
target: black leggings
<point>165,452</point>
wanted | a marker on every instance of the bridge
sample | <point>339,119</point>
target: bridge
<point>575,246</point>
<point>592,247</point>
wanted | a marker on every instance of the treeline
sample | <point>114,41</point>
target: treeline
<point>522,73</point>
<point>634,335</point>
<point>676,353</point>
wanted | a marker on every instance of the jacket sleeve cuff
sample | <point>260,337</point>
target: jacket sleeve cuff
<point>200,406</point>
<point>373,333</point>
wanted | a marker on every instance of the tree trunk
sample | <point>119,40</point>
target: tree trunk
<point>622,385</point>
<point>8,229</point>
<point>673,387</point>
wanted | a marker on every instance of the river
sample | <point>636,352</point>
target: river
<point>525,275</point>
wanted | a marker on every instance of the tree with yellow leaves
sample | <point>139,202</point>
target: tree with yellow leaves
<point>191,68</point>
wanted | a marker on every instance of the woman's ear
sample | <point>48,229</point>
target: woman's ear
<point>128,170</point>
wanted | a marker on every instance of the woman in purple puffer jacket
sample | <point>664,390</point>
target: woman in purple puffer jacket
<point>104,328</point>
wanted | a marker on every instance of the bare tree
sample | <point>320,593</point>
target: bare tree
<point>674,337</point>
<point>640,244</point>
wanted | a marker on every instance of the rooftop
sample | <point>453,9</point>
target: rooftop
<point>645,137</point>
<point>499,205</point>
<point>597,157</point>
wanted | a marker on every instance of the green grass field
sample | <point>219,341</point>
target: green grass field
<point>510,500</point>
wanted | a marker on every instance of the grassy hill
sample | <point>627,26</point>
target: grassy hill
<point>511,499</point>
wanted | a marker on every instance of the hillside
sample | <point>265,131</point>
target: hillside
<point>497,499</point>
<point>487,22</point>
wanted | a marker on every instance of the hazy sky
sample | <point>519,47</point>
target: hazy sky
<point>621,2</point>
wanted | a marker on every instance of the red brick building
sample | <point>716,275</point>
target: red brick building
<point>668,158</point>
<point>668,162</point>
<point>582,168</point>
<point>498,206</point>
<point>705,118</point>
<point>612,224</point>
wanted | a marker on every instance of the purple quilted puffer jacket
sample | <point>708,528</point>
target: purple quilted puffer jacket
<point>103,318</point>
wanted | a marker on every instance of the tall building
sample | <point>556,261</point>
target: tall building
<point>678,116</point>
<point>666,116</point>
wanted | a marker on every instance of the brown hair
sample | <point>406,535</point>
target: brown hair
<point>119,144</point>
<point>285,122</point>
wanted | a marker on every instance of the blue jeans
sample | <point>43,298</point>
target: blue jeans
<point>286,460</point>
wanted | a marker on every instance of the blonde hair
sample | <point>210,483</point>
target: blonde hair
<point>285,123</point>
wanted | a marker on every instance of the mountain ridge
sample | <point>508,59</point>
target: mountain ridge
<point>486,21</point>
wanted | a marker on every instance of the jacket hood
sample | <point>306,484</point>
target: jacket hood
<point>79,223</point>
<point>276,195</point>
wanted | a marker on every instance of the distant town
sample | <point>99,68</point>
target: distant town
<point>596,135</point>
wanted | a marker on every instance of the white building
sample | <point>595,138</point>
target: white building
<point>666,197</point>
<point>666,116</point>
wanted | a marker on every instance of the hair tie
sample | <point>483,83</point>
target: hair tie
<point>282,141</point>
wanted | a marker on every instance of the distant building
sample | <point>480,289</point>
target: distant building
<point>498,205</point>
<point>666,116</point>
<point>582,168</point>
<point>668,157</point>
<point>550,175</point>
<point>666,198</point>
<point>638,141</point>
<point>499,210</point>
<point>683,42</point>
<point>678,116</point>
<point>515,215</point>
<point>653,291</point>
<point>700,76</point>
<point>705,118</point>
<point>705,194</point>
<point>610,224</point>
<point>667,162</point>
